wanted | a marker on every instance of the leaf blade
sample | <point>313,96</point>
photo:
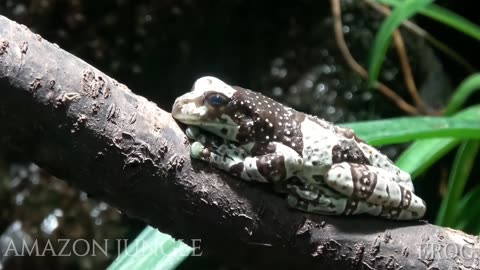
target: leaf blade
<point>152,249</point>
<point>401,12</point>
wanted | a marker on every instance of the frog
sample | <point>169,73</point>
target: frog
<point>322,168</point>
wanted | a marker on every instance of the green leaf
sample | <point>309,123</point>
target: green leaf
<point>402,11</point>
<point>453,20</point>
<point>468,211</point>
<point>404,129</point>
<point>152,250</point>
<point>459,175</point>
<point>463,91</point>
<point>422,154</point>
<point>444,16</point>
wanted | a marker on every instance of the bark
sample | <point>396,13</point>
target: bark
<point>88,129</point>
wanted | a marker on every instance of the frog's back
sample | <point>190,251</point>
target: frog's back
<point>313,138</point>
<point>268,120</point>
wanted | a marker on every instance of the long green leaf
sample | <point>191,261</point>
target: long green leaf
<point>459,175</point>
<point>403,11</point>
<point>422,154</point>
<point>404,129</point>
<point>468,211</point>
<point>444,16</point>
<point>453,20</point>
<point>463,91</point>
<point>152,250</point>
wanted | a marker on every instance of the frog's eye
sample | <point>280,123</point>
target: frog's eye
<point>217,100</point>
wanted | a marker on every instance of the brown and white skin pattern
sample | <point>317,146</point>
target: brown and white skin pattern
<point>325,169</point>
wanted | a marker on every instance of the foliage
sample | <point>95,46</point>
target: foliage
<point>459,207</point>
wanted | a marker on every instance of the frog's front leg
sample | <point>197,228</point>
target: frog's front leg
<point>277,163</point>
<point>373,185</point>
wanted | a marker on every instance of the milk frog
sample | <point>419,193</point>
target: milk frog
<point>324,168</point>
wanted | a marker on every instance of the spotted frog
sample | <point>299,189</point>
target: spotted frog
<point>323,168</point>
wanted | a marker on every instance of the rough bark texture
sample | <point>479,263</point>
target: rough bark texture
<point>92,131</point>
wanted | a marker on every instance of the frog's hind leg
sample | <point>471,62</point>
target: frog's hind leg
<point>380,160</point>
<point>324,201</point>
<point>374,185</point>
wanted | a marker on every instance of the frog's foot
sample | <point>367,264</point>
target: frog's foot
<point>317,200</point>
<point>375,186</point>
<point>220,154</point>
<point>379,160</point>
<point>322,200</point>
<point>235,160</point>
<point>193,132</point>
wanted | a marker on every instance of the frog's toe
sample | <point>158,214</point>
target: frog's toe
<point>322,206</point>
<point>199,151</point>
<point>294,202</point>
<point>209,141</point>
<point>192,132</point>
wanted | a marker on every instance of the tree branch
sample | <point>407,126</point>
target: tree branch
<point>84,127</point>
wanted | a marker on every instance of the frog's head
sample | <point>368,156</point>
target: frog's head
<point>231,112</point>
<point>208,106</point>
